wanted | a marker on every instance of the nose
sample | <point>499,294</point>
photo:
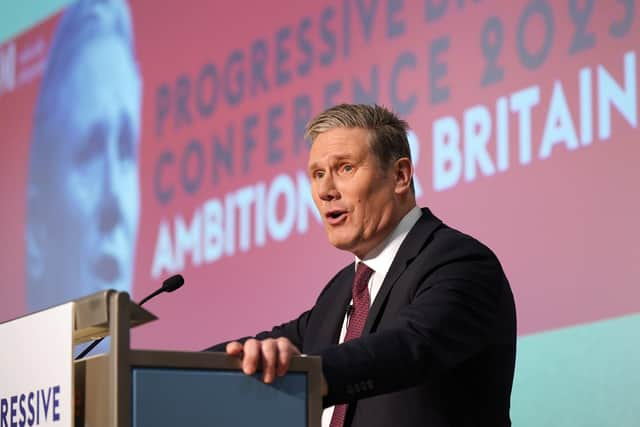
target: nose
<point>110,212</point>
<point>327,190</point>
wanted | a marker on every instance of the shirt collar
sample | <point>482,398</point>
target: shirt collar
<point>381,257</point>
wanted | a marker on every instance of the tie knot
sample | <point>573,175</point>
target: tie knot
<point>363,273</point>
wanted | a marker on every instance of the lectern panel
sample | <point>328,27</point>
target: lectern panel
<point>210,397</point>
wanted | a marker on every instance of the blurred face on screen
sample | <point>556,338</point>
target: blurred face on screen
<point>87,241</point>
<point>355,196</point>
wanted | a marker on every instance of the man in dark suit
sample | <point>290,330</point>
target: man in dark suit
<point>420,330</point>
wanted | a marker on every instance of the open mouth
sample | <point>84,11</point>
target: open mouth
<point>336,216</point>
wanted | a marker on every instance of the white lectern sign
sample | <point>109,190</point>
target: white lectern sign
<point>36,369</point>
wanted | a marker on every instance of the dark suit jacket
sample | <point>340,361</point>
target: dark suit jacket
<point>438,348</point>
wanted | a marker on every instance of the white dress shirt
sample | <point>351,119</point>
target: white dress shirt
<point>379,260</point>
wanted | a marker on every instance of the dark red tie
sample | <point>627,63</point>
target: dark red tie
<point>361,303</point>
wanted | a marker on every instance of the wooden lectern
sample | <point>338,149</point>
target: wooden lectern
<point>140,388</point>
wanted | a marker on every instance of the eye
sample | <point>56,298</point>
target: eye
<point>92,147</point>
<point>318,174</point>
<point>346,168</point>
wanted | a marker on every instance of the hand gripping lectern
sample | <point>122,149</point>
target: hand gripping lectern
<point>141,388</point>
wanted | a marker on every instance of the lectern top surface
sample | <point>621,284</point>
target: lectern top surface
<point>91,316</point>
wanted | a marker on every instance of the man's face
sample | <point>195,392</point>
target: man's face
<point>93,190</point>
<point>355,196</point>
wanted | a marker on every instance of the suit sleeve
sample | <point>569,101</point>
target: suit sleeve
<point>454,313</point>
<point>293,330</point>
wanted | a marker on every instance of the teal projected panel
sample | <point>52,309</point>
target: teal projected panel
<point>16,17</point>
<point>583,376</point>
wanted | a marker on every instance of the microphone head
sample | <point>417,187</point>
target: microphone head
<point>173,283</point>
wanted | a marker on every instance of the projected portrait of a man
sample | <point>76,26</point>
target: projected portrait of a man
<point>83,191</point>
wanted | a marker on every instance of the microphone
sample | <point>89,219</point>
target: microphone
<point>171,284</point>
<point>349,311</point>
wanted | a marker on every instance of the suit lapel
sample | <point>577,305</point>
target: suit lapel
<point>410,248</point>
<point>333,308</point>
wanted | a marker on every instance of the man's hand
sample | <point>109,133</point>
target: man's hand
<point>273,354</point>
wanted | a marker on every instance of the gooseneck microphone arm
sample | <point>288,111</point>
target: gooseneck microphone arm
<point>148,297</point>
<point>169,285</point>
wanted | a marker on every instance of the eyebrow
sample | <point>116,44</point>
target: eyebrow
<point>333,158</point>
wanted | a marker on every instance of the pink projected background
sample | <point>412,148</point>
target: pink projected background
<point>524,119</point>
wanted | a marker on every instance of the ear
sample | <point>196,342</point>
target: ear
<point>403,170</point>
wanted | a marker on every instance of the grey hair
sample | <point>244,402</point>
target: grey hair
<point>82,23</point>
<point>388,133</point>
